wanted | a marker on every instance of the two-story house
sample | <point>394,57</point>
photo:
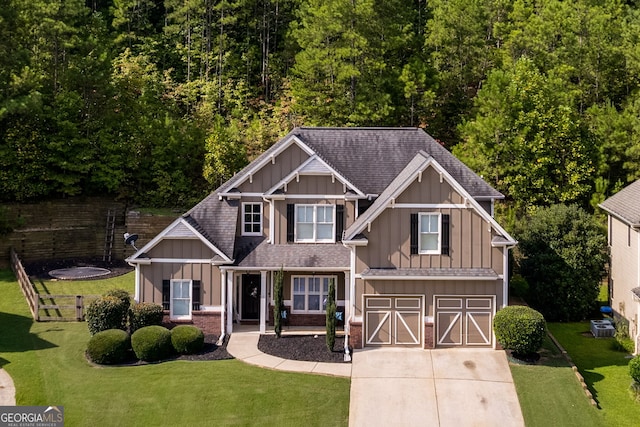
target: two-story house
<point>623,209</point>
<point>404,228</point>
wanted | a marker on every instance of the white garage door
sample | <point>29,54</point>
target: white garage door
<point>393,320</point>
<point>464,321</point>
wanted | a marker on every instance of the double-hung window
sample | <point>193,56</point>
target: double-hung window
<point>310,293</point>
<point>181,299</point>
<point>315,223</point>
<point>252,219</point>
<point>429,232</point>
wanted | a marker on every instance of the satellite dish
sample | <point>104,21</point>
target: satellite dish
<point>130,239</point>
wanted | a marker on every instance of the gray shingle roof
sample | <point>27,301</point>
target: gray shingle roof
<point>258,253</point>
<point>216,220</point>
<point>462,273</point>
<point>625,204</point>
<point>371,158</point>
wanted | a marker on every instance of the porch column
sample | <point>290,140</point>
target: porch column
<point>347,313</point>
<point>263,302</point>
<point>229,301</point>
<point>223,302</point>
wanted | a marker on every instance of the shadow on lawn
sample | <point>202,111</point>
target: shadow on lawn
<point>16,335</point>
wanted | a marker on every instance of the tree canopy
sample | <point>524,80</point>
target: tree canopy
<point>159,102</point>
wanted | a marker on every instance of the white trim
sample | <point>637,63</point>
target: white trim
<point>306,292</point>
<point>278,267</point>
<point>395,278</point>
<point>223,301</point>
<point>437,250</point>
<point>315,223</point>
<point>243,215</point>
<point>172,316</point>
<point>505,277</point>
<point>212,308</point>
<point>180,261</point>
<point>329,172</point>
<point>313,196</point>
<point>136,294</point>
<point>161,236</point>
<point>238,195</point>
<point>430,206</point>
<point>263,301</point>
<point>431,162</point>
<point>229,312</point>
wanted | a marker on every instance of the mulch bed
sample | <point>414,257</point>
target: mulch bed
<point>41,269</point>
<point>302,347</point>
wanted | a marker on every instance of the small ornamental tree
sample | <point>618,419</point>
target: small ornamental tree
<point>278,302</point>
<point>520,329</point>
<point>331,315</point>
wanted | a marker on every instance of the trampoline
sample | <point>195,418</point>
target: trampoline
<point>74,273</point>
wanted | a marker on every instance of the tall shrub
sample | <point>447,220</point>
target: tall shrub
<point>331,315</point>
<point>107,312</point>
<point>278,302</point>
<point>145,314</point>
<point>562,256</point>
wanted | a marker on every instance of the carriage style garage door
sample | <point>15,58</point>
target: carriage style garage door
<point>393,320</point>
<point>464,321</point>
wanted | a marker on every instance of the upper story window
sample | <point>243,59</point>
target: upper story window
<point>315,223</point>
<point>429,241</point>
<point>252,219</point>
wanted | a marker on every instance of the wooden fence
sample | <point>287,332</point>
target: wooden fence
<point>73,309</point>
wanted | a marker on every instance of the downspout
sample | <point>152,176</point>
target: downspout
<point>351,306</point>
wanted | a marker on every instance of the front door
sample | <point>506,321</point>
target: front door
<point>250,297</point>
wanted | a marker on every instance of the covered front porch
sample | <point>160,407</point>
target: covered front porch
<point>248,299</point>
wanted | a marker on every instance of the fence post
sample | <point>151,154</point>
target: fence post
<point>79,308</point>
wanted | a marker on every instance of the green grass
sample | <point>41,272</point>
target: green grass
<point>47,363</point>
<point>550,394</point>
<point>85,287</point>
<point>604,369</point>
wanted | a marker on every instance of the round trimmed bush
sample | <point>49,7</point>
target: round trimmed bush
<point>107,312</point>
<point>145,314</point>
<point>109,347</point>
<point>634,368</point>
<point>520,329</point>
<point>187,339</point>
<point>152,343</point>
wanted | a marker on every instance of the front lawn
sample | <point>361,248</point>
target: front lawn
<point>550,394</point>
<point>604,369</point>
<point>46,361</point>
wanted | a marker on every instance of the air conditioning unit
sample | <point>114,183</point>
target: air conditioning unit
<point>602,328</point>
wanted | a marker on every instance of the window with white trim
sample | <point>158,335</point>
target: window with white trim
<point>315,223</point>
<point>310,293</point>
<point>181,299</point>
<point>429,233</point>
<point>252,219</point>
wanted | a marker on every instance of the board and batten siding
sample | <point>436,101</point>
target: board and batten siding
<point>181,249</point>
<point>430,190</point>
<point>624,271</point>
<point>153,275</point>
<point>315,184</point>
<point>270,174</point>
<point>390,243</point>
<point>427,288</point>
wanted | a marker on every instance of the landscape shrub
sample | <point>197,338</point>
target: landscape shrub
<point>152,343</point>
<point>187,339</point>
<point>106,312</point>
<point>278,302</point>
<point>623,342</point>
<point>331,316</point>
<point>520,329</point>
<point>121,294</point>
<point>634,369</point>
<point>518,286</point>
<point>109,347</point>
<point>144,314</point>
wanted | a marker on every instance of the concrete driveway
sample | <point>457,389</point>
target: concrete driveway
<point>409,387</point>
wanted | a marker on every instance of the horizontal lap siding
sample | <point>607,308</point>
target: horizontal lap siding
<point>154,274</point>
<point>426,288</point>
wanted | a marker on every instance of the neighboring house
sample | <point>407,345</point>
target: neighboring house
<point>403,227</point>
<point>623,209</point>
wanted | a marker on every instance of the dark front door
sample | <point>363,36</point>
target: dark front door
<point>250,296</point>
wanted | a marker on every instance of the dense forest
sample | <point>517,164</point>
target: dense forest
<point>159,102</point>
